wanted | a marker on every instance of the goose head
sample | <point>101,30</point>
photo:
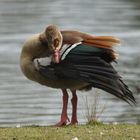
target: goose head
<point>52,37</point>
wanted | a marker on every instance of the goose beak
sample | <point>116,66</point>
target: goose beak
<point>56,56</point>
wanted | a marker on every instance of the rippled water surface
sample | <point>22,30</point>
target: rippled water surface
<point>27,103</point>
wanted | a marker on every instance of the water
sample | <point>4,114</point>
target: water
<point>27,103</point>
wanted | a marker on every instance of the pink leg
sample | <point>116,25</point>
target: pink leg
<point>74,107</point>
<point>64,116</point>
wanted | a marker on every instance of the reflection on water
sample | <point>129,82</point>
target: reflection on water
<point>25,102</point>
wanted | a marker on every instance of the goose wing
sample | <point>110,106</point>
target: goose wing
<point>93,70</point>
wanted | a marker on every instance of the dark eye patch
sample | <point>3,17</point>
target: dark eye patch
<point>56,42</point>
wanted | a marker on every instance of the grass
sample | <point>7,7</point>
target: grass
<point>82,132</point>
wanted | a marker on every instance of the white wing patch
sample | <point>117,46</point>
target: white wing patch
<point>68,49</point>
<point>42,62</point>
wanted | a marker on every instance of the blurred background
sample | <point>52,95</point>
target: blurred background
<point>23,102</point>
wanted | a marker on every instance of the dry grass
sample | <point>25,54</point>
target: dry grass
<point>94,109</point>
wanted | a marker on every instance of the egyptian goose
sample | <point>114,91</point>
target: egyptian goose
<point>73,60</point>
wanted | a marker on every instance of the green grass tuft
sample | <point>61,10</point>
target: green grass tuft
<point>95,122</point>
